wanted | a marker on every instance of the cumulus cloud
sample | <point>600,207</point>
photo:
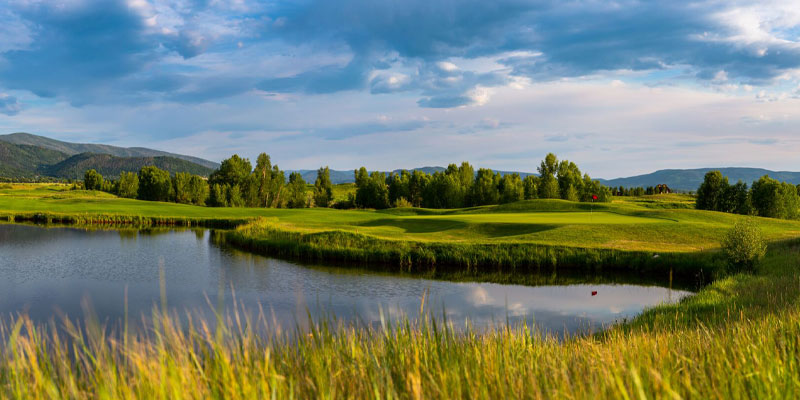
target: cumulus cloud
<point>99,51</point>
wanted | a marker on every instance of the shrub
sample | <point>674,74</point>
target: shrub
<point>744,245</point>
<point>402,203</point>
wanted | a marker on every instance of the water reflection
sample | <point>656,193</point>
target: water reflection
<point>44,270</point>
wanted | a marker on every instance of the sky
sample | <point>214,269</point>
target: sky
<point>619,87</point>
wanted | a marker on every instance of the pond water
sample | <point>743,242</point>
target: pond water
<point>51,272</point>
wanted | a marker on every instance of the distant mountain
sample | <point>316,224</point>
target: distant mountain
<point>70,149</point>
<point>24,161</point>
<point>110,166</point>
<point>690,179</point>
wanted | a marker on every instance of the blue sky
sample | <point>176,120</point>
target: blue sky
<point>620,87</point>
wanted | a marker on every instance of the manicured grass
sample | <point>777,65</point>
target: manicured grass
<point>630,224</point>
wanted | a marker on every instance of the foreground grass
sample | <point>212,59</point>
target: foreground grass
<point>738,338</point>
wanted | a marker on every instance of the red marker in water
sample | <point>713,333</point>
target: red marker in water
<point>594,292</point>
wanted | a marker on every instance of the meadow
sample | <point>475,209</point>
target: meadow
<point>738,337</point>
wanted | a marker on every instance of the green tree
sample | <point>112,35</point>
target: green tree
<point>399,186</point>
<point>548,187</point>
<point>531,187</point>
<point>128,185</point>
<point>417,183</point>
<point>217,196</point>
<point>774,199</point>
<point>371,189</point>
<point>263,175</point>
<point>296,191</point>
<point>198,189</point>
<point>92,180</point>
<point>234,195</point>
<point>323,188</point>
<point>232,171</point>
<point>511,188</point>
<point>711,193</point>
<point>443,191</point>
<point>154,184</point>
<point>485,189</point>
<point>739,198</point>
<point>180,184</point>
<point>569,181</point>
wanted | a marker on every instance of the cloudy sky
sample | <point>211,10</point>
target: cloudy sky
<point>620,87</point>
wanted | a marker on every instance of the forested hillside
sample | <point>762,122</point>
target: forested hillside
<point>110,166</point>
<point>77,148</point>
<point>24,161</point>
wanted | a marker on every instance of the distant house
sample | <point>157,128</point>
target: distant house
<point>662,189</point>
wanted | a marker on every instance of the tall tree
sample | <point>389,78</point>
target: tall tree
<point>128,185</point>
<point>154,184</point>
<point>511,188</point>
<point>711,193</point>
<point>296,191</point>
<point>92,180</point>
<point>263,176</point>
<point>323,188</point>
<point>548,187</point>
<point>180,184</point>
<point>531,187</point>
<point>484,190</point>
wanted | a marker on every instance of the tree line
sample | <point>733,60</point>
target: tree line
<point>460,186</point>
<point>766,197</point>
<point>236,183</point>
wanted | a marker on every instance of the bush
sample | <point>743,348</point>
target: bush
<point>402,203</point>
<point>744,245</point>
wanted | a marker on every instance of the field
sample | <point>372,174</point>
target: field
<point>652,223</point>
<point>738,337</point>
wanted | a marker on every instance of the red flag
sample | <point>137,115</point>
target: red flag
<point>594,197</point>
<point>594,292</point>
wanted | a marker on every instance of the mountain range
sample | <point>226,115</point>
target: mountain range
<point>23,155</point>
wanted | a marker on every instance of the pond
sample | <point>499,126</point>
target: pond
<point>51,272</point>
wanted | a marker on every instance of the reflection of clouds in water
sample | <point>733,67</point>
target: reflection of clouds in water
<point>61,265</point>
<point>479,296</point>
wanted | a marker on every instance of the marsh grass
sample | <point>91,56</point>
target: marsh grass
<point>424,358</point>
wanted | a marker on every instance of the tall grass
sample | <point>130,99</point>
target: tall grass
<point>752,358</point>
<point>120,220</point>
<point>266,237</point>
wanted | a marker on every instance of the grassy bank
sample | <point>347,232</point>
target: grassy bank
<point>738,338</point>
<point>269,238</point>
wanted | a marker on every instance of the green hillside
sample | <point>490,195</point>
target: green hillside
<point>68,148</point>
<point>110,166</point>
<point>24,161</point>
